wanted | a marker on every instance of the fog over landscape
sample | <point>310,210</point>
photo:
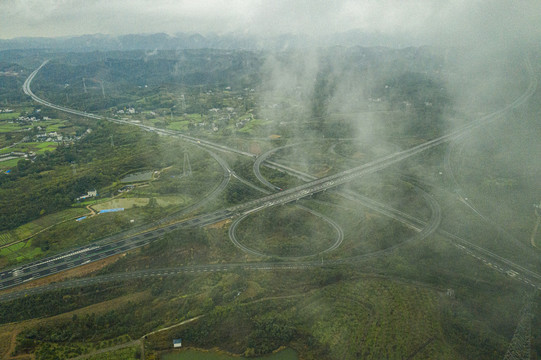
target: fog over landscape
<point>299,179</point>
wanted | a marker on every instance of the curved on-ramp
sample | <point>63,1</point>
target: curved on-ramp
<point>334,245</point>
<point>375,166</point>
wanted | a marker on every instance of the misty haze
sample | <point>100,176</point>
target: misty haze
<point>270,180</point>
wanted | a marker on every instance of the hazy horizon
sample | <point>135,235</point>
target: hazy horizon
<point>419,22</point>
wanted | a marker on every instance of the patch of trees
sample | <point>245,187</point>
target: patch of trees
<point>124,76</point>
<point>131,319</point>
<point>54,179</point>
<point>426,97</point>
<point>237,193</point>
<point>175,239</point>
<point>270,331</point>
<point>257,330</point>
<point>54,302</point>
<point>474,338</point>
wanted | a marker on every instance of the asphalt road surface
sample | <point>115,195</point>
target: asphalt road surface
<point>91,253</point>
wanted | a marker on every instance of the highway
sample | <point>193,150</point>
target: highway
<point>467,201</point>
<point>490,258</point>
<point>326,182</point>
<point>424,230</point>
<point>193,140</point>
<point>95,252</point>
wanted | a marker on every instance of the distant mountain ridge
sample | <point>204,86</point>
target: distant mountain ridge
<point>162,41</point>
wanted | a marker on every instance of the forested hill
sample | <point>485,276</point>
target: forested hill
<point>178,41</point>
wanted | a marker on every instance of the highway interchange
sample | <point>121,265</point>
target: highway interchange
<point>125,242</point>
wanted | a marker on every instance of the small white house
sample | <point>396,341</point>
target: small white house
<point>89,194</point>
<point>177,343</point>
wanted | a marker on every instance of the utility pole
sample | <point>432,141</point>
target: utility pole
<point>183,103</point>
<point>84,85</point>
<point>187,169</point>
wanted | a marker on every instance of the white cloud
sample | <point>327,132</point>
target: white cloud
<point>427,20</point>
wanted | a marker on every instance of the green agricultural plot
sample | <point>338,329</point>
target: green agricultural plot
<point>28,229</point>
<point>46,221</point>
<point>9,127</point>
<point>6,150</point>
<point>37,147</point>
<point>9,164</point>
<point>6,237</point>
<point>20,252</point>
<point>47,126</point>
<point>6,127</point>
<point>179,125</point>
<point>9,116</point>
<point>72,233</point>
<point>29,253</point>
<point>52,125</point>
<point>43,146</point>
<point>10,250</point>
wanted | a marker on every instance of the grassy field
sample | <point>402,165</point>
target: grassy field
<point>92,202</point>
<point>252,125</point>
<point>19,252</point>
<point>9,127</point>
<point>6,237</point>
<point>172,200</point>
<point>26,230</point>
<point>43,146</point>
<point>23,251</point>
<point>6,150</point>
<point>37,147</point>
<point>53,125</point>
<point>138,176</point>
<point>5,165</point>
<point>47,125</point>
<point>9,116</point>
<point>9,251</point>
<point>126,203</point>
<point>179,125</point>
<point>43,222</point>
